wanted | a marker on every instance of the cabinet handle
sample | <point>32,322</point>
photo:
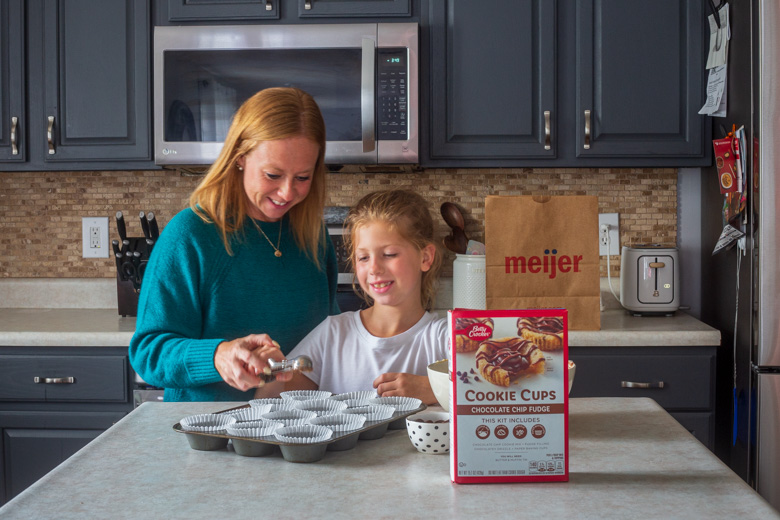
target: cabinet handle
<point>55,380</point>
<point>656,265</point>
<point>14,148</point>
<point>546,129</point>
<point>632,384</point>
<point>587,130</point>
<point>50,134</point>
<point>307,5</point>
<point>268,5</point>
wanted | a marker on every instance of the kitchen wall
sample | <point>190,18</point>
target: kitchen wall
<point>40,212</point>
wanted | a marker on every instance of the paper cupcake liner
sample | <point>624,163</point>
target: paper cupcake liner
<point>340,422</point>
<point>290,417</point>
<point>304,395</point>
<point>373,412</point>
<point>321,406</point>
<point>253,429</point>
<point>402,404</point>
<point>266,400</point>
<point>207,422</point>
<point>252,413</point>
<point>303,434</point>
<point>362,395</point>
<point>355,403</point>
<point>286,405</point>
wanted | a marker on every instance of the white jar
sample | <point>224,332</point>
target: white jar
<point>468,282</point>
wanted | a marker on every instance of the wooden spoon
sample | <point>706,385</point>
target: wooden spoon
<point>452,216</point>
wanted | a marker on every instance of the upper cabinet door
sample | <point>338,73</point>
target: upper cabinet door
<point>12,115</point>
<point>96,104</point>
<point>350,8</point>
<point>221,10</point>
<point>492,80</point>
<point>640,76</point>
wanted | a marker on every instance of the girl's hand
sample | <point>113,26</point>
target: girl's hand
<point>241,362</point>
<point>405,385</point>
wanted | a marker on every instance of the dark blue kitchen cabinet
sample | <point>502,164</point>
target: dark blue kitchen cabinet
<point>562,83</point>
<point>12,93</point>
<point>86,80</point>
<point>53,401</point>
<point>680,379</point>
<point>173,12</point>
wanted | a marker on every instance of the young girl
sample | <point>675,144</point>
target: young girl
<point>389,345</point>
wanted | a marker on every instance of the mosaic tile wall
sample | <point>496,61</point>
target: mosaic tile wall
<point>40,212</point>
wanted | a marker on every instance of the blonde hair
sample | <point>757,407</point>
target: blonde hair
<point>406,213</point>
<point>269,115</point>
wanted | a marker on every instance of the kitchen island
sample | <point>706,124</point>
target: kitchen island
<point>628,459</point>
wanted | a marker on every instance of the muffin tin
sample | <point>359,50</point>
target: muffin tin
<point>307,452</point>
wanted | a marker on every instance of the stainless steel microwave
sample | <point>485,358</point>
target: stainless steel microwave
<point>363,77</point>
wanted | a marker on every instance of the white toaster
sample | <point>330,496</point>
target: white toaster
<point>649,280</point>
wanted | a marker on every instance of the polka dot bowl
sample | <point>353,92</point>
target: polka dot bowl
<point>429,432</point>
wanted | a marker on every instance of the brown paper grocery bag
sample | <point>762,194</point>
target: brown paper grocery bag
<point>543,252</point>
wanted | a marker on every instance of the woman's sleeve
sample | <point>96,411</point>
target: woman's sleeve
<point>166,349</point>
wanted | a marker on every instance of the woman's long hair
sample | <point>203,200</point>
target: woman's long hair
<point>269,115</point>
<point>405,212</point>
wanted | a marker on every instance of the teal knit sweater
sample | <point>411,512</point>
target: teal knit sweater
<point>194,296</point>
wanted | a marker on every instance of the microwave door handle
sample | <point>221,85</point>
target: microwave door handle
<point>367,96</point>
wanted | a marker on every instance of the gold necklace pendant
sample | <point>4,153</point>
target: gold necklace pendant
<point>277,252</point>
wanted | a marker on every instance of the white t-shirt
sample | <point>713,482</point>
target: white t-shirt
<point>347,358</point>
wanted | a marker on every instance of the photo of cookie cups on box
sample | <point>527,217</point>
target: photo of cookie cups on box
<point>502,360</point>
<point>546,332</point>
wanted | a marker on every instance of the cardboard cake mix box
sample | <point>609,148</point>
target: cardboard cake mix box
<point>509,396</point>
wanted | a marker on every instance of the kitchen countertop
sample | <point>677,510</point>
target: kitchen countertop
<point>35,313</point>
<point>628,459</point>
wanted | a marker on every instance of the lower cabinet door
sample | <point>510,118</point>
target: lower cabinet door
<point>28,454</point>
<point>700,424</point>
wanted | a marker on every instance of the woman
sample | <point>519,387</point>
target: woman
<point>243,274</point>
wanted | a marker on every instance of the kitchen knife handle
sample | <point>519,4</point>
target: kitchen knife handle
<point>144,224</point>
<point>54,380</point>
<point>587,130</point>
<point>154,230</point>
<point>632,384</point>
<point>50,135</point>
<point>120,226</point>
<point>546,129</point>
<point>14,147</point>
<point>656,265</point>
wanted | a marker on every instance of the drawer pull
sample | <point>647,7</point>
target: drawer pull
<point>632,384</point>
<point>55,380</point>
<point>656,265</point>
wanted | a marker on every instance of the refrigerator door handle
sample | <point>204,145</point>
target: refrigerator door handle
<point>632,384</point>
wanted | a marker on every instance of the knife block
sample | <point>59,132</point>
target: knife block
<point>126,292</point>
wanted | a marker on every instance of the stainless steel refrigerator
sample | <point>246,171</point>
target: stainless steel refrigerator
<point>741,294</point>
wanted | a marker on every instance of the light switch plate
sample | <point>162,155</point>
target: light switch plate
<point>94,237</point>
<point>613,247</point>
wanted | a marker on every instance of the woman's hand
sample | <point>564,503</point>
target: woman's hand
<point>242,362</point>
<point>405,385</point>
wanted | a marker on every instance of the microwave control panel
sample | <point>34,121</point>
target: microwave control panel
<point>392,98</point>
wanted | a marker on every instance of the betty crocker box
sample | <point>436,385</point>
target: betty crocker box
<point>509,399</point>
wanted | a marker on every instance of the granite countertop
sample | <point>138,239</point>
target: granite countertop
<point>43,313</point>
<point>628,459</point>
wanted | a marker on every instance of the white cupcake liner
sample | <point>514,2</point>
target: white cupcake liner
<point>355,403</point>
<point>402,404</point>
<point>207,422</point>
<point>286,405</point>
<point>321,406</point>
<point>362,395</point>
<point>340,422</point>
<point>266,400</point>
<point>252,413</point>
<point>303,434</point>
<point>290,417</point>
<point>253,429</point>
<point>372,412</point>
<point>304,395</point>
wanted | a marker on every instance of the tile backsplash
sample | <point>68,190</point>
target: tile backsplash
<point>40,212</point>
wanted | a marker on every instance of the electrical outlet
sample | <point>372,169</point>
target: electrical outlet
<point>94,237</point>
<point>609,238</point>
